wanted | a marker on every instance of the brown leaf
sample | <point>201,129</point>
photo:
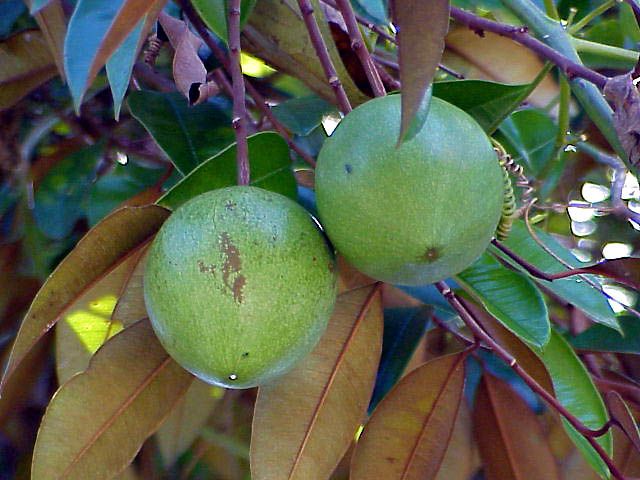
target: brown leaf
<point>183,426</point>
<point>100,251</point>
<point>53,25</point>
<point>408,434</point>
<point>622,270</point>
<point>422,27</point>
<point>621,414</point>
<point>625,455</point>
<point>276,33</point>
<point>98,420</point>
<point>350,278</point>
<point>86,323</point>
<point>188,70</point>
<point>460,459</point>
<point>520,351</point>
<point>510,438</point>
<point>624,94</point>
<point>491,58</point>
<point>305,421</point>
<point>25,64</point>
<point>130,306</point>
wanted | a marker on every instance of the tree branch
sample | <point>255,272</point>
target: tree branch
<point>239,121</point>
<point>589,434</point>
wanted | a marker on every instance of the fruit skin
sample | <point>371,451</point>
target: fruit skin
<point>239,284</point>
<point>415,214</point>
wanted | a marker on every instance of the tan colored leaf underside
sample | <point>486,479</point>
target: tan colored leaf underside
<point>98,420</point>
<point>305,421</point>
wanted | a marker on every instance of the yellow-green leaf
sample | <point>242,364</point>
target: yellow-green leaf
<point>305,421</point>
<point>98,420</point>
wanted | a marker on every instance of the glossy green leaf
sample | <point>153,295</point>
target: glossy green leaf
<point>58,200</point>
<point>488,102</point>
<point>188,135</point>
<point>529,136</point>
<point>577,393</point>
<point>573,289</point>
<point>599,338</point>
<point>117,186</point>
<point>419,53</point>
<point>214,13</point>
<point>120,65</point>
<point>96,29</point>
<point>403,330</point>
<point>510,297</point>
<point>301,115</point>
<point>375,10</point>
<point>270,169</point>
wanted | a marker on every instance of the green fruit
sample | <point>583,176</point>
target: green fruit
<point>239,284</point>
<point>414,214</point>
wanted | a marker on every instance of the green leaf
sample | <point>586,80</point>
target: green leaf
<point>117,186</point>
<point>510,297</point>
<point>188,135</point>
<point>214,13</point>
<point>529,136</point>
<point>270,169</point>
<point>419,52</point>
<point>403,330</point>
<point>488,102</point>
<point>573,289</point>
<point>599,338</point>
<point>301,115</point>
<point>120,66</point>
<point>58,200</point>
<point>375,10</point>
<point>577,393</point>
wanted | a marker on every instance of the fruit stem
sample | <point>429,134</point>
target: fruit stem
<point>478,332</point>
<point>359,47</point>
<point>239,121</point>
<point>323,55</point>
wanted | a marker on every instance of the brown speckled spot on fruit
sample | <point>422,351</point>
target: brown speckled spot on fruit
<point>232,267</point>
<point>431,255</point>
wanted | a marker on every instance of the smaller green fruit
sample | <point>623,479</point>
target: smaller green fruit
<point>415,213</point>
<point>239,284</point>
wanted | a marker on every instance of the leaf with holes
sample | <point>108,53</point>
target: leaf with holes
<point>422,27</point>
<point>98,420</point>
<point>408,434</point>
<point>315,410</point>
<point>510,437</point>
<point>95,255</point>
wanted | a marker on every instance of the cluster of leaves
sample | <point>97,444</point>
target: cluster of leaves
<point>82,195</point>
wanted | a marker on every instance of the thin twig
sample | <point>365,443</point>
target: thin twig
<point>323,55</point>
<point>521,35</point>
<point>359,47</point>
<point>239,121</point>
<point>589,434</point>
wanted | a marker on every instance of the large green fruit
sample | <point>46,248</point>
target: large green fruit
<point>239,284</point>
<point>415,214</point>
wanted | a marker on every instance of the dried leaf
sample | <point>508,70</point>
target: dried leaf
<point>625,455</point>
<point>183,426</point>
<point>620,413</point>
<point>408,434</point>
<point>511,441</point>
<point>130,306</point>
<point>422,27</point>
<point>95,255</point>
<point>98,420</point>
<point>315,410</point>
<point>460,460</point>
<point>189,72</point>
<point>25,64</point>
<point>86,323</point>
<point>624,94</point>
